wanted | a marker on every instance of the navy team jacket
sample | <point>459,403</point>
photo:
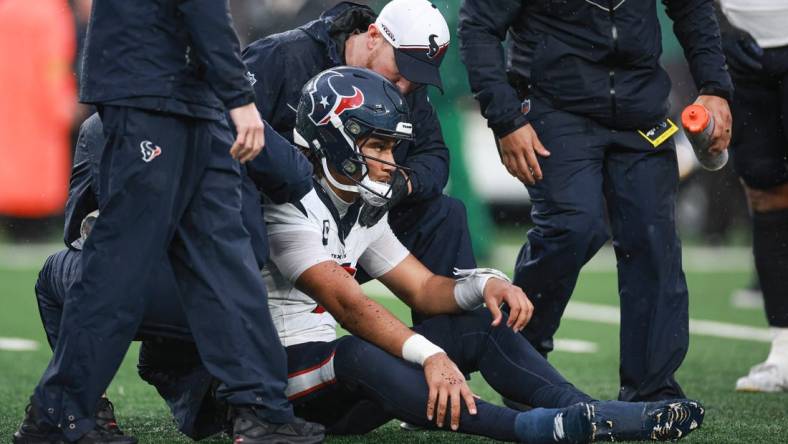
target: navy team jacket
<point>283,63</point>
<point>597,58</point>
<point>177,56</point>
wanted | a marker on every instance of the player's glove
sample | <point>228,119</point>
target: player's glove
<point>742,51</point>
<point>371,215</point>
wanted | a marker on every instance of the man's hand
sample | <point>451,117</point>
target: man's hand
<point>447,385</point>
<point>249,127</point>
<point>721,113</point>
<point>518,154</point>
<point>498,291</point>
<point>742,52</point>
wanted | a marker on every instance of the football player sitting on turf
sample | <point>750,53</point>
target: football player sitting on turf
<point>349,120</point>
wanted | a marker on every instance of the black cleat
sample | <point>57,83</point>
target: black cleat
<point>673,420</point>
<point>646,421</point>
<point>249,428</point>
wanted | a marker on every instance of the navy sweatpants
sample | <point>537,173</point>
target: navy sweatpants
<point>436,232</point>
<point>760,157</point>
<point>168,188</point>
<point>353,387</point>
<point>595,171</point>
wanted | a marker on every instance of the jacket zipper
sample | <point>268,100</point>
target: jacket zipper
<point>612,73</point>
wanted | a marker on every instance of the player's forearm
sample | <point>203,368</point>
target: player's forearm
<point>339,293</point>
<point>371,321</point>
<point>436,296</point>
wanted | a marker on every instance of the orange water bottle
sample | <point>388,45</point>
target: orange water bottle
<point>698,126</point>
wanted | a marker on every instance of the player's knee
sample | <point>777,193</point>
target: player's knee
<point>353,352</point>
<point>768,199</point>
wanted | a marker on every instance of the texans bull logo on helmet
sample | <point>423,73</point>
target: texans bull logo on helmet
<point>324,106</point>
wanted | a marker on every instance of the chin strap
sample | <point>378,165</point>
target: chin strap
<point>334,182</point>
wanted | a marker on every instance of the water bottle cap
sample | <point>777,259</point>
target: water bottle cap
<point>695,118</point>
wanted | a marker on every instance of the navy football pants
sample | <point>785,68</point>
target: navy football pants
<point>184,202</point>
<point>353,387</point>
<point>593,173</point>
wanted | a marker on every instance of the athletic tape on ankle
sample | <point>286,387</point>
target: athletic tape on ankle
<point>417,349</point>
<point>469,288</point>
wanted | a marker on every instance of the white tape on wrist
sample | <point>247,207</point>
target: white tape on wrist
<point>417,349</point>
<point>469,288</point>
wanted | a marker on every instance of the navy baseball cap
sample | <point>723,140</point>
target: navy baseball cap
<point>420,36</point>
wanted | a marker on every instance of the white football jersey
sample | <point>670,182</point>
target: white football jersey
<point>305,234</point>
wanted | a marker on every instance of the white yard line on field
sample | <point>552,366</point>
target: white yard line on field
<point>26,256</point>
<point>694,259</point>
<point>18,344</point>
<point>574,346</point>
<point>610,314</point>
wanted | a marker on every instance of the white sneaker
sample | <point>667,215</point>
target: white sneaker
<point>765,377</point>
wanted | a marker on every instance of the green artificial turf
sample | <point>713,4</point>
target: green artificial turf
<point>708,374</point>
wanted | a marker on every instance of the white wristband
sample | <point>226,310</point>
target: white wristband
<point>417,349</point>
<point>469,288</point>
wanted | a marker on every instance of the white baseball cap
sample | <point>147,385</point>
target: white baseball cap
<point>419,34</point>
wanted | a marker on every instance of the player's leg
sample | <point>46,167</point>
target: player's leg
<point>760,146</point>
<point>223,294</point>
<point>399,389</point>
<point>515,370</point>
<point>436,232</point>
<point>58,272</point>
<point>641,183</point>
<point>506,360</point>
<point>174,368</point>
<point>103,309</point>
<point>568,211</point>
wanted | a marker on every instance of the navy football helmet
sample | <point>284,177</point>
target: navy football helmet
<point>339,109</point>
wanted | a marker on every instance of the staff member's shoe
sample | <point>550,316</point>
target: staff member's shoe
<point>105,417</point>
<point>31,431</point>
<point>249,428</point>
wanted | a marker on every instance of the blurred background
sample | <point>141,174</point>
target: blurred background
<point>39,119</point>
<point>40,44</point>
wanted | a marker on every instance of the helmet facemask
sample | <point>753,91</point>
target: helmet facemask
<point>356,134</point>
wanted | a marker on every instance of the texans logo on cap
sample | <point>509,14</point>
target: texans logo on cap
<point>435,49</point>
<point>323,107</point>
<point>420,36</point>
